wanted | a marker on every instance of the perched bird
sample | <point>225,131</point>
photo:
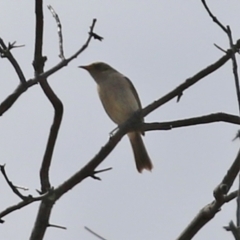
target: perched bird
<point>120,100</point>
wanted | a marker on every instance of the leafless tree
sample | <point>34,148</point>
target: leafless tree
<point>48,194</point>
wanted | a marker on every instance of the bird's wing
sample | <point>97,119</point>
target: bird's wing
<point>134,92</point>
<point>136,96</point>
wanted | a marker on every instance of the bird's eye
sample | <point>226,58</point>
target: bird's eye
<point>98,67</point>
<point>101,67</point>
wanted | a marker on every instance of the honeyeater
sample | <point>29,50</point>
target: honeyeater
<point>120,100</point>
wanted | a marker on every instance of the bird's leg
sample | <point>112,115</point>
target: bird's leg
<point>113,131</point>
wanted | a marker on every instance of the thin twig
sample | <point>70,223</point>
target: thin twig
<point>57,226</point>
<point>28,200</point>
<point>11,99</point>
<point>231,196</point>
<point>89,168</point>
<point>211,118</point>
<point>59,30</point>
<point>22,188</point>
<point>91,34</point>
<point>94,233</point>
<point>99,171</point>
<point>210,210</point>
<point>214,18</point>
<point>189,82</point>
<point>238,203</point>
<point>5,52</point>
<point>11,185</point>
<point>227,30</point>
<point>235,67</point>
<point>234,229</point>
<point>221,49</point>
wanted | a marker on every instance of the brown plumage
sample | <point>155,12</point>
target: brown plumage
<point>120,100</point>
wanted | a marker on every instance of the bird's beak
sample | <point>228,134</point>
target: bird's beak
<point>87,67</point>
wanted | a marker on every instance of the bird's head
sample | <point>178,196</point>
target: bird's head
<point>98,69</point>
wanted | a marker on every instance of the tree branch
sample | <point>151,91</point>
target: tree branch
<point>227,30</point>
<point>10,184</point>
<point>209,211</point>
<point>28,200</point>
<point>214,18</point>
<point>88,169</point>
<point>191,81</point>
<point>11,99</point>
<point>38,64</point>
<point>94,233</point>
<point>59,30</point>
<point>6,52</point>
<point>211,118</point>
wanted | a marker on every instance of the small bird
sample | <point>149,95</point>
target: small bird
<point>120,100</point>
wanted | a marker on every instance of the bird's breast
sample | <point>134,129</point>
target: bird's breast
<point>118,99</point>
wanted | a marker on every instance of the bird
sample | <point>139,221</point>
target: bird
<point>120,101</point>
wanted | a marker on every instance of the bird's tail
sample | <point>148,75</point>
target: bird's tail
<point>140,153</point>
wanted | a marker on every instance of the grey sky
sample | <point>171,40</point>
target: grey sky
<point>156,44</point>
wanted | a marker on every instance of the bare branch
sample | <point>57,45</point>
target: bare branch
<point>99,171</point>
<point>190,81</point>
<point>102,170</point>
<point>5,52</point>
<point>234,229</point>
<point>57,226</point>
<point>231,196</point>
<point>88,169</point>
<point>238,203</point>
<point>229,177</point>
<point>11,99</point>
<point>59,30</point>
<point>46,205</point>
<point>235,67</point>
<point>211,118</point>
<point>227,30</point>
<point>218,47</point>
<point>8,102</point>
<point>58,113</point>
<point>10,184</point>
<point>237,135</point>
<point>42,220</point>
<point>210,210</point>
<point>213,17</point>
<point>13,45</point>
<point>91,34</point>
<point>96,36</point>
<point>22,188</point>
<point>28,200</point>
<point>38,64</point>
<point>94,233</point>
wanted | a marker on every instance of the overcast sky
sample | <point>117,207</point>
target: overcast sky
<point>156,44</point>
